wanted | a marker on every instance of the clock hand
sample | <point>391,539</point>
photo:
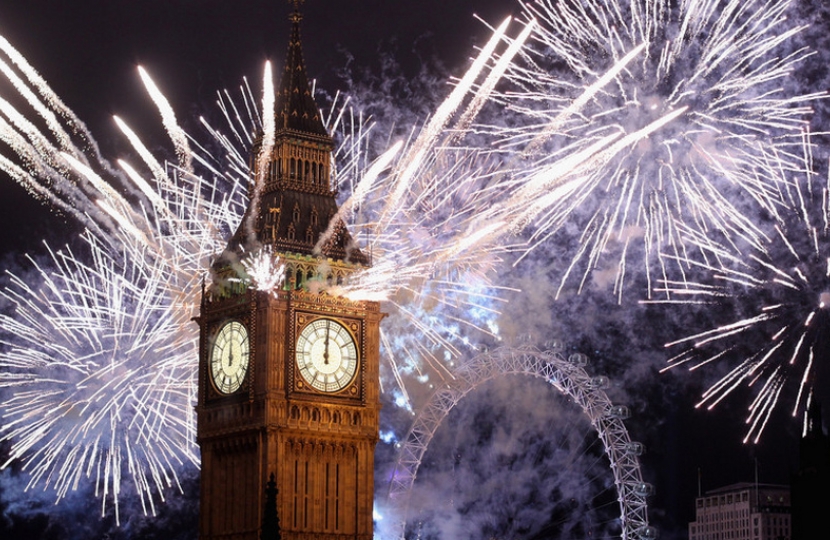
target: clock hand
<point>326,352</point>
<point>230,357</point>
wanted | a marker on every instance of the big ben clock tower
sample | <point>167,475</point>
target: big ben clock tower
<point>289,379</point>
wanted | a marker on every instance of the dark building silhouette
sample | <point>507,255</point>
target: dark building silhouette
<point>811,484</point>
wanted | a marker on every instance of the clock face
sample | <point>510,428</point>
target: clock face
<point>326,355</point>
<point>229,357</point>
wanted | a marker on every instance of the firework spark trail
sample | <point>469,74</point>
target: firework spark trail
<point>55,106</point>
<point>494,77</point>
<point>159,174</point>
<point>424,177</point>
<point>176,133</point>
<point>781,286</point>
<point>413,161</point>
<point>38,161</point>
<point>40,155</point>
<point>74,180</point>
<point>719,66</point>
<point>267,144</point>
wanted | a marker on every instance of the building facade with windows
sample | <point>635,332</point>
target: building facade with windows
<point>743,511</point>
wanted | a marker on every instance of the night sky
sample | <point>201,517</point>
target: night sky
<point>88,52</point>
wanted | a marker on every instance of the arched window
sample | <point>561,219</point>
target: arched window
<point>293,170</point>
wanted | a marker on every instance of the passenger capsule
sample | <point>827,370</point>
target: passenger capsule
<point>647,533</point>
<point>599,382</point>
<point>555,345</point>
<point>644,489</point>
<point>634,448</point>
<point>578,359</point>
<point>618,411</point>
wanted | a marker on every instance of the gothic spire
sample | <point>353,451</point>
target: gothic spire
<point>296,109</point>
<point>293,205</point>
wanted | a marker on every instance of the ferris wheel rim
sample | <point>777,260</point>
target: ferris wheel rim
<point>570,379</point>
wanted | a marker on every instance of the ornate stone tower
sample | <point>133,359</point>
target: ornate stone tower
<point>289,378</point>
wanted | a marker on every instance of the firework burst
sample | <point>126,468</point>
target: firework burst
<point>99,368</point>
<point>779,291</point>
<point>675,131</point>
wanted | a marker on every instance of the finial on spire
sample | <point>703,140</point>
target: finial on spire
<point>270,516</point>
<point>296,16</point>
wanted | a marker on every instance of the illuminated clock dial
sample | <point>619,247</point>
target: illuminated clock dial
<point>326,355</point>
<point>229,357</point>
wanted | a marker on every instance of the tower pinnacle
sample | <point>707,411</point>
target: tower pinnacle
<point>296,16</point>
<point>296,210</point>
<point>296,109</point>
